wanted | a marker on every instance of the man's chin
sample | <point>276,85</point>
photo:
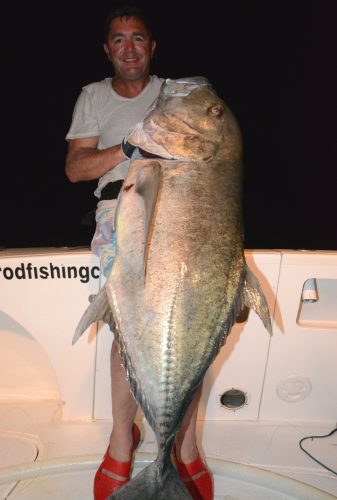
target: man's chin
<point>135,74</point>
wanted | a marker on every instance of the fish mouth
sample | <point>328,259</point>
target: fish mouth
<point>147,137</point>
<point>147,154</point>
<point>179,127</point>
<point>173,121</point>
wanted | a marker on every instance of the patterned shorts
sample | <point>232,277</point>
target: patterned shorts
<point>103,243</point>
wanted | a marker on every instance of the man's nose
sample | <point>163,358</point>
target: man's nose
<point>129,44</point>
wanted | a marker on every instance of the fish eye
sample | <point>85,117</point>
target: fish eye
<point>215,110</point>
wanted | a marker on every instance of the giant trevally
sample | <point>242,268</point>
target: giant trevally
<point>179,278</point>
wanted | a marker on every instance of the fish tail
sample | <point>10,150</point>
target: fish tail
<point>253,297</point>
<point>151,484</point>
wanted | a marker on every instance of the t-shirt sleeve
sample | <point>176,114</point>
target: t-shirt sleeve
<point>84,121</point>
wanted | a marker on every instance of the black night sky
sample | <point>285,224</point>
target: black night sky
<point>273,62</point>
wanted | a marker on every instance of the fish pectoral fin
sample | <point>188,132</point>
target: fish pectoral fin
<point>253,297</point>
<point>98,310</point>
<point>147,187</point>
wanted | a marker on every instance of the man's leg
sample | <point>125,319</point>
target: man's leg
<point>186,441</point>
<point>124,409</point>
<point>116,466</point>
<point>191,467</point>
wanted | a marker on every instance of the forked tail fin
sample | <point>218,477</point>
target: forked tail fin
<point>149,484</point>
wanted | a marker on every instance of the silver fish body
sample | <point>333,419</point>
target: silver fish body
<point>179,278</point>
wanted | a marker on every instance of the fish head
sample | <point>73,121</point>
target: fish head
<point>188,121</point>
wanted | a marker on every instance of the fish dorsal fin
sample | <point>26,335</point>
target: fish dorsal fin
<point>98,310</point>
<point>253,297</point>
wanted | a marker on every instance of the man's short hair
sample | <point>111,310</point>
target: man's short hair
<point>126,11</point>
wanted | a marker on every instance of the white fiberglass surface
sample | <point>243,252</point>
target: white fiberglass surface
<point>53,433</point>
<point>61,463</point>
<point>73,481</point>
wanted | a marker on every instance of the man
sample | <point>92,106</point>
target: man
<point>103,113</point>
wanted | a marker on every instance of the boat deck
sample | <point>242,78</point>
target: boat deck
<point>43,457</point>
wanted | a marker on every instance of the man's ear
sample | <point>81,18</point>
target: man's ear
<point>153,47</point>
<point>106,50</point>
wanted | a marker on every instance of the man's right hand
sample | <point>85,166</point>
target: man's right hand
<point>127,148</point>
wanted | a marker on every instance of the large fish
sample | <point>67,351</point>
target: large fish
<point>179,278</point>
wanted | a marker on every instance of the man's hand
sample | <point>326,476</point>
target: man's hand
<point>127,148</point>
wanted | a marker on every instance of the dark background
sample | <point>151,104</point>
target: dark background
<point>273,62</point>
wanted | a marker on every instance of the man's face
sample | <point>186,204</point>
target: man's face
<point>129,48</point>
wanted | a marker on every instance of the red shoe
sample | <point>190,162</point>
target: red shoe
<point>196,476</point>
<point>104,485</point>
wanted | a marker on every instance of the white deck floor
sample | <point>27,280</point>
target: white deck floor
<point>57,460</point>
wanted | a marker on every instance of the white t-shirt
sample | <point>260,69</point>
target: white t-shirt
<point>101,112</point>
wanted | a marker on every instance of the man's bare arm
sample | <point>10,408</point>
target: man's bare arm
<point>84,162</point>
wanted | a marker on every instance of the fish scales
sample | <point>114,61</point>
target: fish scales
<point>179,277</point>
<point>188,295</point>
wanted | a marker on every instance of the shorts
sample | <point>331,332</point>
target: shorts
<point>103,243</point>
